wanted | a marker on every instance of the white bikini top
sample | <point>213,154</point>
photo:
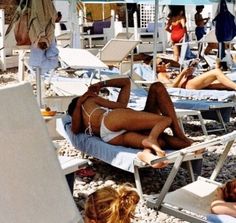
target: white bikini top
<point>89,130</point>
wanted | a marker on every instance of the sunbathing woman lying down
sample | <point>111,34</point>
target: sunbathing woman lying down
<point>225,202</point>
<point>213,79</point>
<point>118,125</point>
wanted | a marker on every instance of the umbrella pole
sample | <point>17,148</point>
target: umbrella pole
<point>127,21</point>
<point>155,40</point>
<point>38,86</point>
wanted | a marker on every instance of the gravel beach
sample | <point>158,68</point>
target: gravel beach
<point>152,179</point>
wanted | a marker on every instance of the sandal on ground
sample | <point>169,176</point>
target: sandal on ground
<point>86,172</point>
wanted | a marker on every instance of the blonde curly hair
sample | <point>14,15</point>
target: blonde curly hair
<point>109,205</point>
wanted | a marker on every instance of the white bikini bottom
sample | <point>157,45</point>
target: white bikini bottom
<point>106,134</point>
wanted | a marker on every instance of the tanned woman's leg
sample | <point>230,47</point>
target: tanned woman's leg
<point>176,52</point>
<point>209,78</point>
<point>135,140</point>
<point>131,120</point>
<point>159,102</point>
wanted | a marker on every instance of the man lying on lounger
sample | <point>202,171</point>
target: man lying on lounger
<point>118,125</point>
<point>213,79</point>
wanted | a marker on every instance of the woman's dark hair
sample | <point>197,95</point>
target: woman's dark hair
<point>72,106</point>
<point>175,10</point>
<point>229,191</point>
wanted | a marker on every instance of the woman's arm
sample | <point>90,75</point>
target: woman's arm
<point>183,74</point>
<point>108,104</point>
<point>220,206</point>
<point>223,207</point>
<point>183,22</point>
<point>77,121</point>
<point>122,83</point>
<point>168,26</point>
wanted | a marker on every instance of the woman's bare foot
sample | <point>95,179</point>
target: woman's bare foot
<point>146,156</point>
<point>187,141</point>
<point>200,151</point>
<point>149,143</point>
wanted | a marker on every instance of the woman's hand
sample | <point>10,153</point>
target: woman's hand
<point>94,88</point>
<point>84,97</point>
<point>188,71</point>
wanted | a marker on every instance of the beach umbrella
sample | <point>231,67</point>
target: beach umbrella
<point>174,2</point>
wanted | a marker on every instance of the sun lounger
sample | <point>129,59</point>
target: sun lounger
<point>221,218</point>
<point>118,156</point>
<point>213,104</point>
<point>33,185</point>
<point>116,50</point>
<point>195,197</point>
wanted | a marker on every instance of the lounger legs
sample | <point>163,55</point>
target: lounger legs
<point>138,181</point>
<point>157,204</point>
<point>70,178</point>
<point>221,160</point>
<point>185,112</point>
<point>221,120</point>
<point>190,170</point>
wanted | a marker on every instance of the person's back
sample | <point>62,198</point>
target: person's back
<point>92,115</point>
<point>176,26</point>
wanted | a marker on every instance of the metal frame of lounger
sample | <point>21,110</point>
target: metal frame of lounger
<point>172,158</point>
<point>159,203</point>
<point>216,108</point>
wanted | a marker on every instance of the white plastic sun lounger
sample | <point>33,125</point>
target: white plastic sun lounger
<point>116,50</point>
<point>33,185</point>
<point>197,196</point>
<point>119,156</point>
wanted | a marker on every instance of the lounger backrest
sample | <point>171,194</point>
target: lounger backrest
<point>33,187</point>
<point>116,50</point>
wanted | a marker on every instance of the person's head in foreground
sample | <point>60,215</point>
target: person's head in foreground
<point>229,191</point>
<point>109,205</point>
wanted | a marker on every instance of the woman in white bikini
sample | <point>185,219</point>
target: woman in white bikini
<point>118,125</point>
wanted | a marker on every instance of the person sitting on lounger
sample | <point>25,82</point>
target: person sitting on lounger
<point>213,79</point>
<point>225,203</point>
<point>118,125</point>
<point>109,205</point>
